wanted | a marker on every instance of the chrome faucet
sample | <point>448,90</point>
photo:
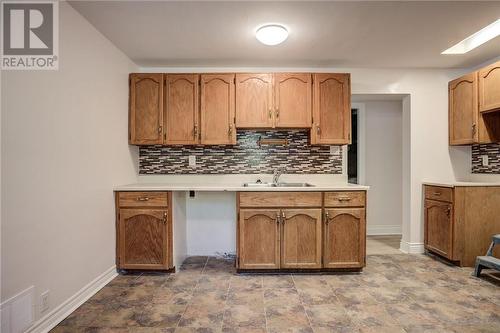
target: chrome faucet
<point>276,175</point>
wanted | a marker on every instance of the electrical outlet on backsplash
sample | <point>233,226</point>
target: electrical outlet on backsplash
<point>492,151</point>
<point>246,157</point>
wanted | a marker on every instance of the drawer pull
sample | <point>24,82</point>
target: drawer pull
<point>344,199</point>
<point>437,194</point>
<point>142,199</point>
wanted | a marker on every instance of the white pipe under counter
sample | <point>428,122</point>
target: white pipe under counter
<point>234,183</point>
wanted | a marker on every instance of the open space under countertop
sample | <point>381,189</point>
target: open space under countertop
<point>234,187</point>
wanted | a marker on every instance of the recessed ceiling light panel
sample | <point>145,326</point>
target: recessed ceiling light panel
<point>482,36</point>
<point>272,34</point>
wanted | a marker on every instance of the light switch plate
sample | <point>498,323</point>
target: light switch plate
<point>485,161</point>
<point>192,160</point>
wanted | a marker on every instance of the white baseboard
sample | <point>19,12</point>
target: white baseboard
<point>50,320</point>
<point>411,248</point>
<point>378,230</point>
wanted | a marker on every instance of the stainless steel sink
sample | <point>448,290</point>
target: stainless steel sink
<point>278,185</point>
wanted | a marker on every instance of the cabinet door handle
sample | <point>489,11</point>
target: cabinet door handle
<point>283,217</point>
<point>270,113</point>
<point>473,129</point>
<point>318,130</point>
<point>277,113</point>
<point>195,131</point>
<point>448,211</point>
<point>277,218</point>
<point>160,128</point>
<point>165,218</point>
<point>230,129</point>
<point>327,217</point>
<point>142,199</point>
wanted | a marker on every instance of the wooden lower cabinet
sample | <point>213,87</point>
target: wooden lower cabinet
<point>298,236</point>
<point>259,239</point>
<point>144,231</point>
<point>301,238</point>
<point>460,221</point>
<point>344,238</point>
<point>438,227</point>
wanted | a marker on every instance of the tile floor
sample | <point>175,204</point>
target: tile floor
<point>395,293</point>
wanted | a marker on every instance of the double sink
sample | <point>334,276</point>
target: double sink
<point>260,184</point>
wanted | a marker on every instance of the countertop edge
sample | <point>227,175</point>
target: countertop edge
<point>460,184</point>
<point>236,188</point>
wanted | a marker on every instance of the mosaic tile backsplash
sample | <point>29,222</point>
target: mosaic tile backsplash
<point>246,157</point>
<point>492,150</point>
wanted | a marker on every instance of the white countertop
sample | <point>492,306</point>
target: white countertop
<point>234,187</point>
<point>460,184</point>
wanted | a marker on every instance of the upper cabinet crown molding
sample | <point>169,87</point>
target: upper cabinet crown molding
<point>191,109</point>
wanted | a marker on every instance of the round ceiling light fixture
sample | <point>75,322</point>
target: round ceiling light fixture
<point>272,34</point>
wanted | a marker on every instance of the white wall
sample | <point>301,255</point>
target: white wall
<point>64,147</point>
<point>383,165</point>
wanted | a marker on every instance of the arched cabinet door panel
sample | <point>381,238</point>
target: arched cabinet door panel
<point>463,110</point>
<point>143,238</point>
<point>331,109</point>
<point>259,239</point>
<point>293,100</point>
<point>217,109</point>
<point>301,238</point>
<point>344,238</point>
<point>439,227</point>
<point>146,109</point>
<point>489,88</point>
<point>182,113</point>
<point>254,101</point>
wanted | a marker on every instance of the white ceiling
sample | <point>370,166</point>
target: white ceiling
<point>322,34</point>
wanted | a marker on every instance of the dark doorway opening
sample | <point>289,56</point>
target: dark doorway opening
<point>352,150</point>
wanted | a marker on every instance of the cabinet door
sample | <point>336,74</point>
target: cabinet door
<point>489,88</point>
<point>331,109</point>
<point>292,100</point>
<point>217,109</point>
<point>438,227</point>
<point>182,109</point>
<point>258,239</point>
<point>301,238</point>
<point>146,109</point>
<point>254,100</point>
<point>463,112</point>
<point>143,239</point>
<point>345,235</point>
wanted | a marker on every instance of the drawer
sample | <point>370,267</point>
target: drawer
<point>345,199</point>
<point>439,193</point>
<point>143,199</point>
<point>280,199</point>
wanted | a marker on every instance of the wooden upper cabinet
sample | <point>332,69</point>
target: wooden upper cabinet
<point>258,241</point>
<point>217,109</point>
<point>439,227</point>
<point>182,113</point>
<point>143,239</point>
<point>254,94</point>
<point>344,238</point>
<point>292,100</point>
<point>463,110</point>
<point>489,88</point>
<point>146,109</point>
<point>301,238</point>
<point>331,109</point>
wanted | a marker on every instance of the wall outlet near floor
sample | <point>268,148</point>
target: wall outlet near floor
<point>484,160</point>
<point>192,160</point>
<point>44,301</point>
